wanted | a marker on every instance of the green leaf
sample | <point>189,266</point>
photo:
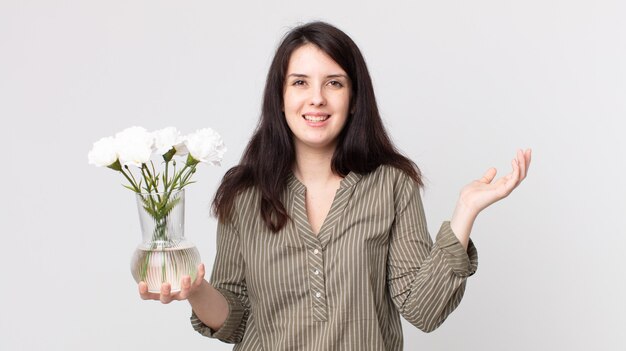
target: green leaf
<point>116,166</point>
<point>169,155</point>
<point>129,188</point>
<point>191,161</point>
<point>186,183</point>
<point>169,206</point>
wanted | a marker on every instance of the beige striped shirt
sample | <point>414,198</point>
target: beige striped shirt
<point>344,289</point>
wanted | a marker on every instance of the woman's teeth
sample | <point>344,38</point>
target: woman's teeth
<point>316,118</point>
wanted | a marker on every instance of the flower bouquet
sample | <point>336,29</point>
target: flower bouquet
<point>164,254</point>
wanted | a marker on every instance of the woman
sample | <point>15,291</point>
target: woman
<point>322,241</point>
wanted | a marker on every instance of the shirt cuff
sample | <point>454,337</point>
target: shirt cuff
<point>228,332</point>
<point>463,263</point>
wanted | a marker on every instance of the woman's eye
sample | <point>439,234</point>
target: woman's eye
<point>335,83</point>
<point>298,82</point>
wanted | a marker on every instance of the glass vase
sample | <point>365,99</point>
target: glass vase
<point>164,254</point>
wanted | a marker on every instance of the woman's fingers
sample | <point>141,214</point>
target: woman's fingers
<point>145,294</point>
<point>521,161</point>
<point>527,158</point>
<point>488,176</point>
<point>166,296</point>
<point>166,290</point>
<point>523,158</point>
<point>185,286</point>
<point>484,192</point>
<point>515,177</point>
<point>199,275</point>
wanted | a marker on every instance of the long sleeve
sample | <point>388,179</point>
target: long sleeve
<point>228,278</point>
<point>426,281</point>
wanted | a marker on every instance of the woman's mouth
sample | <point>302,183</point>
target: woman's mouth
<point>319,118</point>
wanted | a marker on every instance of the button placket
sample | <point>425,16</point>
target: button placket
<point>314,257</point>
<point>316,244</point>
<point>318,285</point>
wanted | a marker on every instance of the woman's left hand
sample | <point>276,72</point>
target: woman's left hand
<point>479,194</point>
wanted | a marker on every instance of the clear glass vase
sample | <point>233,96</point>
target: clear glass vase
<point>164,254</point>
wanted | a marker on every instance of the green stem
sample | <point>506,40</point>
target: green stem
<point>177,177</point>
<point>132,182</point>
<point>165,178</point>
<point>149,180</point>
<point>154,173</point>
<point>145,176</point>
<point>186,177</point>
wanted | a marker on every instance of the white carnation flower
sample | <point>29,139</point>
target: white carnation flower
<point>134,146</point>
<point>167,138</point>
<point>103,153</point>
<point>205,145</point>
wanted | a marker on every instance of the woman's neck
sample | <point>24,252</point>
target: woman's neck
<point>313,167</point>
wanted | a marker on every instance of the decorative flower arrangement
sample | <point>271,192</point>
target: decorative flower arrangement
<point>135,146</point>
<point>159,191</point>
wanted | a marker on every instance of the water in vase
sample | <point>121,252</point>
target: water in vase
<point>169,264</point>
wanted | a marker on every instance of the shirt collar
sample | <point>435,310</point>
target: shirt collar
<point>348,181</point>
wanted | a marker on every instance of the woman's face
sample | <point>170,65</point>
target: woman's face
<point>316,98</point>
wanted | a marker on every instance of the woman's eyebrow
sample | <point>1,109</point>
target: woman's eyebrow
<point>337,76</point>
<point>298,75</point>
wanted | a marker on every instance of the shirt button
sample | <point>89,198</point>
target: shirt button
<point>316,251</point>
<point>318,295</point>
<point>316,272</point>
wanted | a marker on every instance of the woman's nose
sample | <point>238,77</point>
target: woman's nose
<point>317,97</point>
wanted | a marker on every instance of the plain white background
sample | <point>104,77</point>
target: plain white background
<point>461,85</point>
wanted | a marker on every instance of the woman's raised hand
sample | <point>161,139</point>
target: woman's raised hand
<point>481,193</point>
<point>187,288</point>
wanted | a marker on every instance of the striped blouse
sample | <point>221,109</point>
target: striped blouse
<point>344,289</point>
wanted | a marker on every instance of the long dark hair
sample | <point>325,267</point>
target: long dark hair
<point>363,144</point>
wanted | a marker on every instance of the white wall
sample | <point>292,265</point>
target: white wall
<point>461,85</point>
